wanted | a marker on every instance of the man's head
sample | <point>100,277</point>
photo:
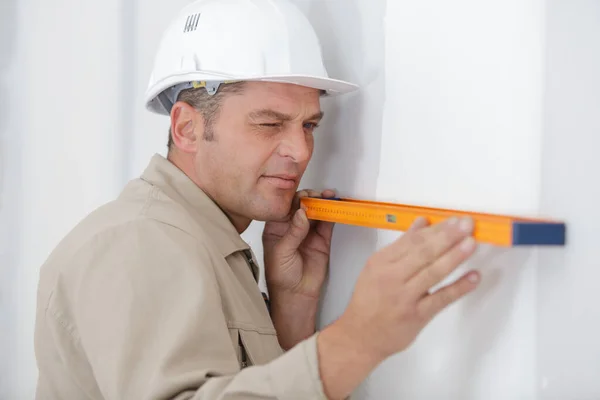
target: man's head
<point>248,145</point>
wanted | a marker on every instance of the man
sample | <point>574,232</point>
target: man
<point>155,295</point>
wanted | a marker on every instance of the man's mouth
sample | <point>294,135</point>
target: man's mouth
<point>282,181</point>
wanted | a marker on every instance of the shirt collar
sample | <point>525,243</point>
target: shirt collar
<point>163,174</point>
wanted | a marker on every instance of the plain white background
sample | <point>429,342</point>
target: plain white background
<point>483,105</point>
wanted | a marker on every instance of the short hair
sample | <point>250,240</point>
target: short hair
<point>208,105</point>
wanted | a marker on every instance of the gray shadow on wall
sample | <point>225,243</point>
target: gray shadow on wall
<point>453,347</point>
<point>490,306</point>
<point>353,49</point>
<point>8,230</point>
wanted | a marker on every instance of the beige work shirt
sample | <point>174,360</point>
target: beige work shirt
<point>152,296</point>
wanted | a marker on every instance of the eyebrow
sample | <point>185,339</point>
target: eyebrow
<point>267,113</point>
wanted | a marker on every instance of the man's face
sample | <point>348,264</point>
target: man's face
<point>263,141</point>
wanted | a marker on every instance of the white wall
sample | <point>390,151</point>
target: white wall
<point>10,63</point>
<point>568,314</point>
<point>483,105</point>
<point>149,131</point>
<point>64,73</point>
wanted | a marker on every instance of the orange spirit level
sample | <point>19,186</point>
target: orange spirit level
<point>500,230</point>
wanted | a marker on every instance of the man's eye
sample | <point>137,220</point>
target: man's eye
<point>311,125</point>
<point>272,125</point>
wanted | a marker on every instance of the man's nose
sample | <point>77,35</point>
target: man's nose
<point>297,144</point>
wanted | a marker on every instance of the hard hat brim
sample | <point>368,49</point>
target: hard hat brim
<point>331,87</point>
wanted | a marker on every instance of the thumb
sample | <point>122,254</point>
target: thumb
<point>299,227</point>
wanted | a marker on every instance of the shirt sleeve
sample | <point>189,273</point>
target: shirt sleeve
<point>149,317</point>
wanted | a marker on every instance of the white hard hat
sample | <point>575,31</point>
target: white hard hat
<point>212,42</point>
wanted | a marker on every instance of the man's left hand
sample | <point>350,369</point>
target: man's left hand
<point>296,254</point>
<point>297,250</point>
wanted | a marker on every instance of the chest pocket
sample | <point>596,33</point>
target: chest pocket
<point>247,312</point>
<point>254,347</point>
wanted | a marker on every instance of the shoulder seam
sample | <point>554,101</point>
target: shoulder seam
<point>143,214</point>
<point>148,200</point>
<point>68,328</point>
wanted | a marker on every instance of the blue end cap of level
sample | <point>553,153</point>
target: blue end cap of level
<point>542,234</point>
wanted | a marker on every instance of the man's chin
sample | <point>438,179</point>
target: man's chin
<point>275,210</point>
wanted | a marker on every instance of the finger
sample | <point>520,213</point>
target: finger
<point>412,241</point>
<point>325,230</point>
<point>328,193</point>
<point>312,193</point>
<point>296,204</point>
<point>396,250</point>
<point>432,304</point>
<point>423,246</point>
<point>418,223</point>
<point>296,200</point>
<point>300,194</point>
<point>296,233</point>
<point>436,272</point>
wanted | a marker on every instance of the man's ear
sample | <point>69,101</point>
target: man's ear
<point>187,127</point>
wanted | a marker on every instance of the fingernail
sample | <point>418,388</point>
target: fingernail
<point>299,216</point>
<point>452,221</point>
<point>467,244</point>
<point>466,224</point>
<point>473,277</point>
<point>417,223</point>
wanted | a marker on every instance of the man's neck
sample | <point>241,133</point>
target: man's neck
<point>186,164</point>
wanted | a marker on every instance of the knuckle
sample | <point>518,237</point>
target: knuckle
<point>448,236</point>
<point>432,275</point>
<point>447,296</point>
<point>409,312</point>
<point>373,261</point>
<point>427,253</point>
<point>453,293</point>
<point>373,267</point>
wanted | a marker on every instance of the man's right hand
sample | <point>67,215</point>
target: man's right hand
<point>391,302</point>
